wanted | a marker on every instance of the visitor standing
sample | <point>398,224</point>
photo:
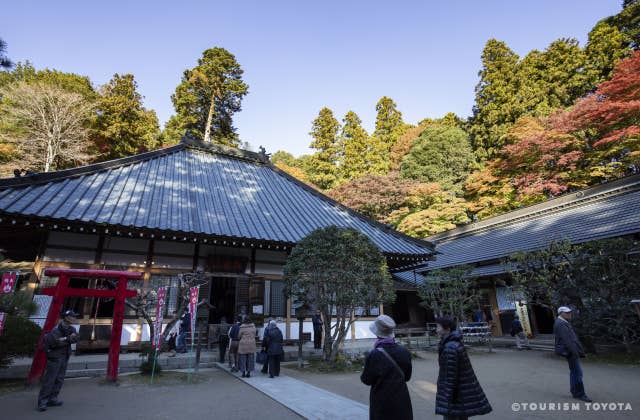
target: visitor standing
<point>223,338</point>
<point>273,337</point>
<point>317,330</point>
<point>518,332</point>
<point>387,369</point>
<point>185,328</point>
<point>247,347</point>
<point>459,394</point>
<point>568,345</point>
<point>234,336</point>
<point>57,347</point>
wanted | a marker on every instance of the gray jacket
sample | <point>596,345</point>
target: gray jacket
<point>57,342</point>
<point>567,343</point>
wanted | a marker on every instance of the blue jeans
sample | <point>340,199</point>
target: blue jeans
<point>575,377</point>
<point>181,343</point>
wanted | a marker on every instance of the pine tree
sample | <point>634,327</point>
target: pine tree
<point>123,126</point>
<point>354,139</point>
<point>323,169</point>
<point>496,98</point>
<point>606,46</point>
<point>389,127</point>
<point>207,98</point>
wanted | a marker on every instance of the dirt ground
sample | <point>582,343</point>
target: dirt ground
<point>213,394</point>
<point>509,377</point>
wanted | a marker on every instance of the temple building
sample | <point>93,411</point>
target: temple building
<point>604,211</point>
<point>192,207</point>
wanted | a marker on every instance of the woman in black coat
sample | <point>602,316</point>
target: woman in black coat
<point>387,370</point>
<point>459,394</point>
<point>273,344</point>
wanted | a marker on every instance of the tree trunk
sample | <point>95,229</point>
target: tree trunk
<point>207,129</point>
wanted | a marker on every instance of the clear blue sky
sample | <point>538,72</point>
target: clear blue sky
<point>298,56</point>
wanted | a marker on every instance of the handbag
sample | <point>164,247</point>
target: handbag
<point>262,357</point>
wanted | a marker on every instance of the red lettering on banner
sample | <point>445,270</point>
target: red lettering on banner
<point>8,282</point>
<point>193,307</point>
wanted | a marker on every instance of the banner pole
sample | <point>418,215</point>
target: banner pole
<point>153,369</point>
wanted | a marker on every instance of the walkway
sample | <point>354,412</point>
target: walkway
<point>304,399</point>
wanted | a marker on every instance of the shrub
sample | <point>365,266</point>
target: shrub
<point>19,339</point>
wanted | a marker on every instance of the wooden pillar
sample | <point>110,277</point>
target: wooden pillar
<point>494,309</point>
<point>381,309</point>
<point>288,321</point>
<point>353,326</point>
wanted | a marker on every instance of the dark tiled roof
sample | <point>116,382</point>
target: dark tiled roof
<point>409,277</point>
<point>194,188</point>
<point>601,212</point>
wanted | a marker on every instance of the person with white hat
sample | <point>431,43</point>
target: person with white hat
<point>387,369</point>
<point>568,345</point>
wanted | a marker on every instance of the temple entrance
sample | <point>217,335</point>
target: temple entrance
<point>223,298</point>
<point>544,319</point>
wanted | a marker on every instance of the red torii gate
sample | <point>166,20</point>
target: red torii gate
<point>62,290</point>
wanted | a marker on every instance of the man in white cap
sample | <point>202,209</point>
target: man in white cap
<point>387,369</point>
<point>568,345</point>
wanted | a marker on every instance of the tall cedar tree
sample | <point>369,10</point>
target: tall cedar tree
<point>605,47</point>
<point>389,127</point>
<point>354,140</point>
<point>324,170</point>
<point>207,98</point>
<point>123,126</point>
<point>496,93</point>
<point>5,62</point>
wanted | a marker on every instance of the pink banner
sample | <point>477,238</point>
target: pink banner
<point>162,292</point>
<point>2,317</point>
<point>8,282</point>
<point>193,308</point>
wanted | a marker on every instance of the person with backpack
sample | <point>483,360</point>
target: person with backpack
<point>57,346</point>
<point>185,328</point>
<point>387,369</point>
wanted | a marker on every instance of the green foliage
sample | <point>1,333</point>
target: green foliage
<point>449,292</point>
<point>606,46</point>
<point>599,278</point>
<point>18,303</point>
<point>123,126</point>
<point>207,98</point>
<point>18,339</point>
<point>323,170</point>
<point>496,93</point>
<point>5,62</point>
<point>337,270</point>
<point>430,210</point>
<point>355,141</point>
<point>628,23</point>
<point>284,157</point>
<point>389,127</point>
<point>150,355</point>
<point>441,154</point>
